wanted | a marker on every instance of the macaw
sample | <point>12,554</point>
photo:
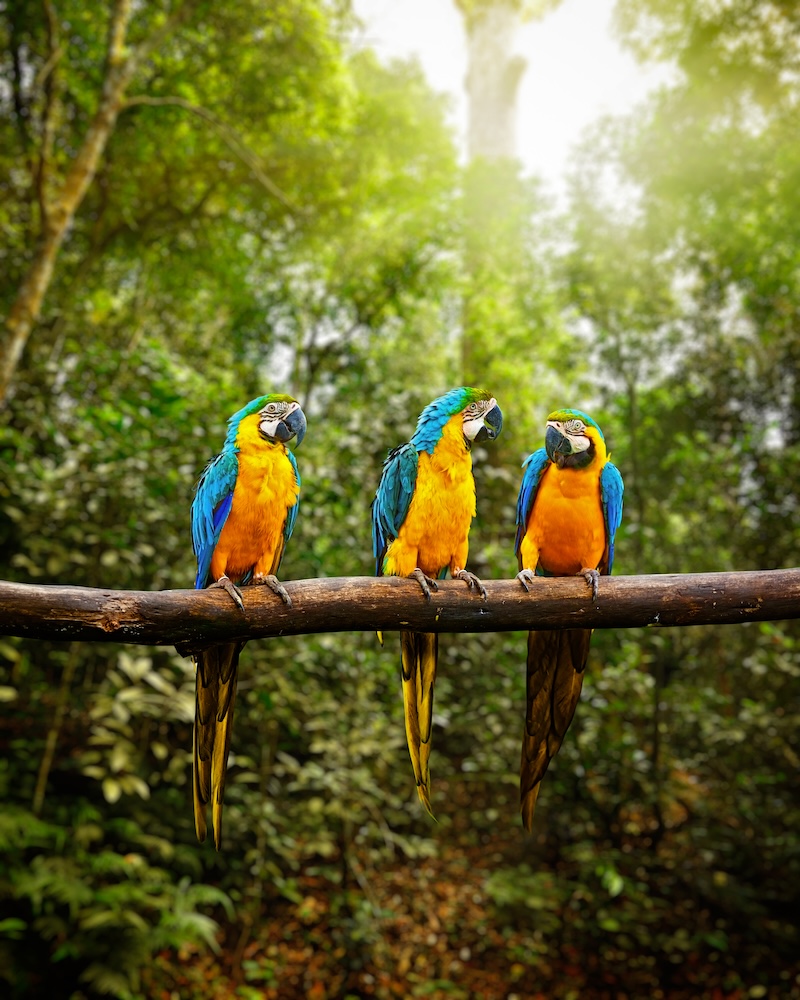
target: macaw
<point>243,513</point>
<point>568,512</point>
<point>421,517</point>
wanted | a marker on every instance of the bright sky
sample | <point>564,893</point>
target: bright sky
<point>577,71</point>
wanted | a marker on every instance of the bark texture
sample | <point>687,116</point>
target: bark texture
<point>192,619</point>
<point>59,204</point>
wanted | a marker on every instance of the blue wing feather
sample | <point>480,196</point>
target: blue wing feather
<point>210,509</point>
<point>534,466</point>
<point>392,499</point>
<point>291,514</point>
<point>611,491</point>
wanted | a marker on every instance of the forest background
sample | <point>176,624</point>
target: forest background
<point>273,209</point>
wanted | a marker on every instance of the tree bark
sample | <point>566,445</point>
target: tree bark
<point>59,211</point>
<point>57,216</point>
<point>193,619</point>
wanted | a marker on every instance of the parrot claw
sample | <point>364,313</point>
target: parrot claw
<point>427,583</point>
<point>592,577</point>
<point>526,576</point>
<point>471,581</point>
<point>274,584</point>
<point>225,583</point>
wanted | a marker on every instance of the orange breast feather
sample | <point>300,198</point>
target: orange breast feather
<point>266,488</point>
<point>566,526</point>
<point>435,532</point>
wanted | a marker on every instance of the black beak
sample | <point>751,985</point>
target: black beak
<point>293,426</point>
<point>556,445</point>
<point>492,425</point>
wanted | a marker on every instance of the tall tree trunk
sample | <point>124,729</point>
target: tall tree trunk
<point>493,78</point>
<point>492,81</point>
<point>58,210</point>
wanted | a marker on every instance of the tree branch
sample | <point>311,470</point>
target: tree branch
<point>193,619</point>
<point>47,77</point>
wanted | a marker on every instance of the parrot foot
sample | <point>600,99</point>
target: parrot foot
<point>225,583</point>
<point>526,576</point>
<point>471,581</point>
<point>592,577</point>
<point>427,583</point>
<point>274,584</point>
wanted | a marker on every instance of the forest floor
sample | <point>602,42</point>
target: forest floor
<point>430,929</point>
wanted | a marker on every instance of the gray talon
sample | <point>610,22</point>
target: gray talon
<point>471,581</point>
<point>592,577</point>
<point>275,585</point>
<point>426,583</point>
<point>225,583</point>
<point>526,576</point>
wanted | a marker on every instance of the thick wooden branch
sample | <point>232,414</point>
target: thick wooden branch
<point>193,619</point>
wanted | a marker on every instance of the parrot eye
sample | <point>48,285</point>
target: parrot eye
<point>574,427</point>
<point>272,408</point>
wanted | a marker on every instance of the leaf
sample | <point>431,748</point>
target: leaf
<point>111,790</point>
<point>12,927</point>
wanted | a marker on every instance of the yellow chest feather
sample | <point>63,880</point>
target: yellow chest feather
<point>435,532</point>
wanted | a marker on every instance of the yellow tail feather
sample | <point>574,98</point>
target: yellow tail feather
<point>217,674</point>
<point>419,653</point>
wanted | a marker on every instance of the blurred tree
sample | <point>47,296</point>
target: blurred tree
<point>39,114</point>
<point>688,305</point>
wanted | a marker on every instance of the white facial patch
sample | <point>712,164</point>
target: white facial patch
<point>271,416</point>
<point>573,430</point>
<point>473,416</point>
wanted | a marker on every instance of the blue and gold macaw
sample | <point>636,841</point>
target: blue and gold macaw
<point>243,514</point>
<point>421,517</point>
<point>568,512</point>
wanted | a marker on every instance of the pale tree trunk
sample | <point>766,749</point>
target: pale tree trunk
<point>58,209</point>
<point>493,77</point>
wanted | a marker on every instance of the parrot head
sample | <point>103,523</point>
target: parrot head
<point>280,419</point>
<point>483,418</point>
<point>480,414</point>
<point>572,439</point>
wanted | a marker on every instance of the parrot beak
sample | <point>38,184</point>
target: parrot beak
<point>293,425</point>
<point>556,445</point>
<point>492,425</point>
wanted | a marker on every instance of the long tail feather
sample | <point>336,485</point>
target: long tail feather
<point>419,653</point>
<point>217,673</point>
<point>556,662</point>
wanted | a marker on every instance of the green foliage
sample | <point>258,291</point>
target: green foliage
<point>93,908</point>
<point>526,9</point>
<point>687,299</point>
<point>665,851</point>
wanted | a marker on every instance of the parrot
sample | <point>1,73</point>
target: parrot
<point>421,516</point>
<point>568,511</point>
<point>243,513</point>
